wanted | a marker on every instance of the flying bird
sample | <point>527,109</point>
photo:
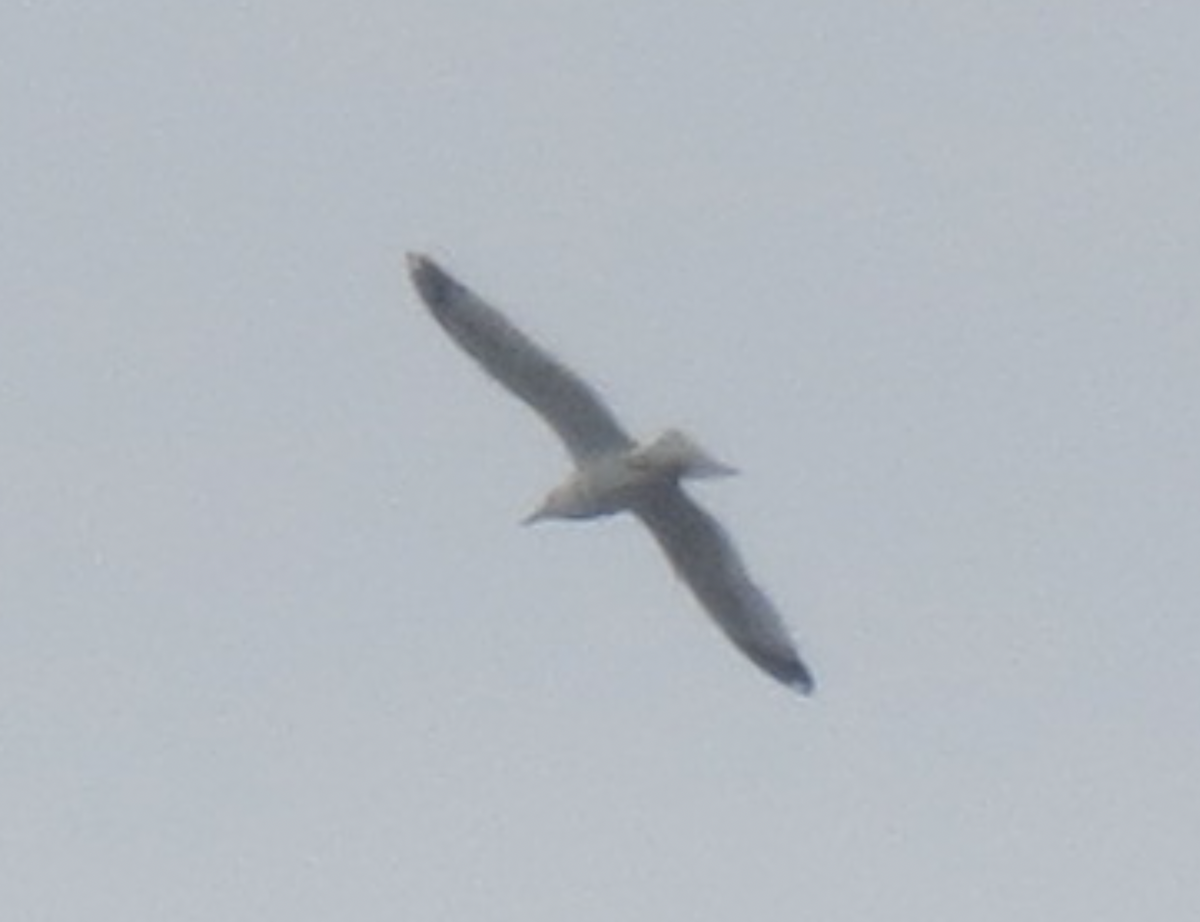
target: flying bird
<point>613,473</point>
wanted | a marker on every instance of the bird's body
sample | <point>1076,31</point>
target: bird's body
<point>622,480</point>
<point>614,474</point>
<point>604,486</point>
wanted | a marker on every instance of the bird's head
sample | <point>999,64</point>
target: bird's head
<point>563,502</point>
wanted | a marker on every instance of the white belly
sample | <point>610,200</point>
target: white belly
<point>610,485</point>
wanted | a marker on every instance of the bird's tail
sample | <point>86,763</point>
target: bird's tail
<point>676,453</point>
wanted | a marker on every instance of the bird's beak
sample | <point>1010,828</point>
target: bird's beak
<point>538,515</point>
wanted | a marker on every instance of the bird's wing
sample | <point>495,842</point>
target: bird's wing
<point>704,557</point>
<point>559,396</point>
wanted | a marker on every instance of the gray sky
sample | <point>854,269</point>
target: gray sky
<point>271,643</point>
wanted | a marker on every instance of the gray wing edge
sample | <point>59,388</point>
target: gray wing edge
<point>705,558</point>
<point>585,424</point>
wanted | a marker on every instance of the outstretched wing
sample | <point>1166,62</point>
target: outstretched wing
<point>704,557</point>
<point>556,393</point>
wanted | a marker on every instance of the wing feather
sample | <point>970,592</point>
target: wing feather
<point>705,558</point>
<point>581,419</point>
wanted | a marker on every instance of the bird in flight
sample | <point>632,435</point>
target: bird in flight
<point>613,473</point>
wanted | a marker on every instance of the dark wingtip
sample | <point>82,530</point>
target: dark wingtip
<point>417,263</point>
<point>804,684</point>
<point>795,675</point>
<point>431,280</point>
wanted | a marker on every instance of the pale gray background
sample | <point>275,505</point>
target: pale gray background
<point>271,644</point>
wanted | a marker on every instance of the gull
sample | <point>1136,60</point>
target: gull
<point>613,473</point>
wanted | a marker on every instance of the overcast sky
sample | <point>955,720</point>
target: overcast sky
<point>272,645</point>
